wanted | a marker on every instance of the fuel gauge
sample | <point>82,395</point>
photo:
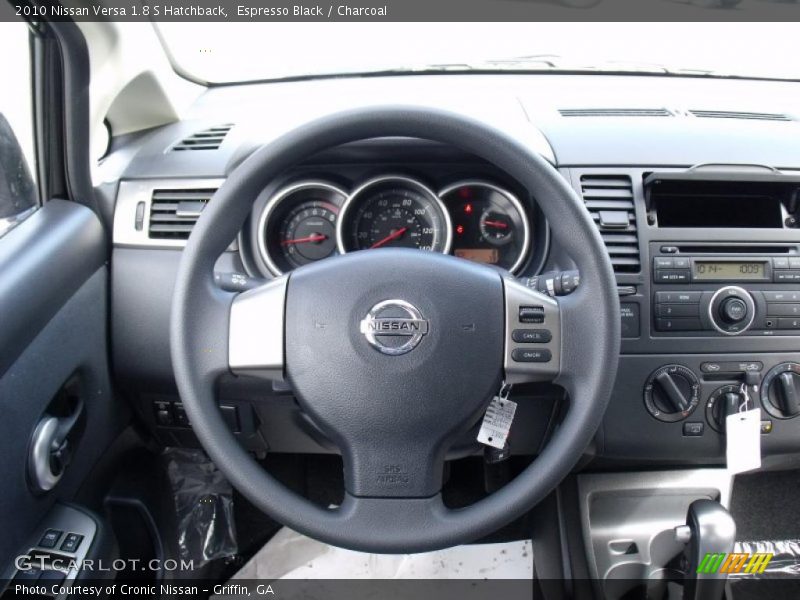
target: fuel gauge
<point>496,228</point>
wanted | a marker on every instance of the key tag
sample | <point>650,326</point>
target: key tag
<point>497,420</point>
<point>743,438</point>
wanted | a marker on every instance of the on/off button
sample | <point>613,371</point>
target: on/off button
<point>531,355</point>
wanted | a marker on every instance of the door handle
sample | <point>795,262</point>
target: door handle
<point>51,449</point>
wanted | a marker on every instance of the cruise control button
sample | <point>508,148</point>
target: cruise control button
<point>531,336</point>
<point>50,538</point>
<point>531,314</point>
<point>531,355</point>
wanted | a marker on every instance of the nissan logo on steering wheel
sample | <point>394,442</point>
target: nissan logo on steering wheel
<point>394,327</point>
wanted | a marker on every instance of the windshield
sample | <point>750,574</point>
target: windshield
<point>235,52</point>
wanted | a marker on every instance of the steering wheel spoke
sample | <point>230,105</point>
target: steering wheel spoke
<point>256,334</point>
<point>533,335</point>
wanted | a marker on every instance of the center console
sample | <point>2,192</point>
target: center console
<point>713,306</point>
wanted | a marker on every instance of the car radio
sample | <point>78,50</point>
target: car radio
<point>728,295</point>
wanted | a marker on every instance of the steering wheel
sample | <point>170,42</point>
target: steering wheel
<point>395,353</point>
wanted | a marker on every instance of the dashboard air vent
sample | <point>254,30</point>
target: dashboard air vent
<point>208,139</point>
<point>723,114</point>
<point>173,213</point>
<point>609,199</point>
<point>615,112</point>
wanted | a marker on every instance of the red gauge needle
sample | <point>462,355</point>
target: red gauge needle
<point>498,224</point>
<point>390,237</point>
<point>317,237</point>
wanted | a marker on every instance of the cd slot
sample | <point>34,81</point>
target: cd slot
<point>741,250</point>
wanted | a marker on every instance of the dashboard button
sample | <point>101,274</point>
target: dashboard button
<point>781,296</point>
<point>678,297</point>
<point>531,355</point>
<point>783,310</point>
<point>693,428</point>
<point>531,336</point>
<point>681,262</point>
<point>50,538</point>
<point>782,276</point>
<point>679,324</point>
<point>678,310</point>
<point>787,323</point>
<point>71,542</point>
<point>794,262</point>
<point>780,262</point>
<point>631,324</point>
<point>672,276</point>
<point>661,262</point>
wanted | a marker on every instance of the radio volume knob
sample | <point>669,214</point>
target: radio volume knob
<point>733,310</point>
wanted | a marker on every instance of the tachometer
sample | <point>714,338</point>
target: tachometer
<point>298,225</point>
<point>394,212</point>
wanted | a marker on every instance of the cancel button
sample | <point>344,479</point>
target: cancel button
<point>531,355</point>
<point>531,336</point>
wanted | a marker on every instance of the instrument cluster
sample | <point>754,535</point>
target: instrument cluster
<point>311,220</point>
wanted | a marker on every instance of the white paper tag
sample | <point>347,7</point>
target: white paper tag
<point>497,422</point>
<point>743,435</point>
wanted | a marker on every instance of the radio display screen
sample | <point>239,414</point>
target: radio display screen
<point>709,270</point>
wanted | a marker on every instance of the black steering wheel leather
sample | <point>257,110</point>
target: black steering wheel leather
<point>398,430</point>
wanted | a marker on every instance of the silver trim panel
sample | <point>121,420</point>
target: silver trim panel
<point>517,296</point>
<point>256,334</point>
<point>131,193</point>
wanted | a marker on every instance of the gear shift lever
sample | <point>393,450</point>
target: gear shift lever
<point>709,529</point>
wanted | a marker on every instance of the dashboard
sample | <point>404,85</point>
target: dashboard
<point>310,220</point>
<point>694,185</point>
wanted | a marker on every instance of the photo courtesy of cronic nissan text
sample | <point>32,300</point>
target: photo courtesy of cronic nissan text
<point>400,299</point>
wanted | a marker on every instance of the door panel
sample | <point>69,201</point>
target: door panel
<point>53,302</point>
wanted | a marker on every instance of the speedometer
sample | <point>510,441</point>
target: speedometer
<point>394,212</point>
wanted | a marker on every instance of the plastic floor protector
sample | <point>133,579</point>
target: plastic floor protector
<point>290,555</point>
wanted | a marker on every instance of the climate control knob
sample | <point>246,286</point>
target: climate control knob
<point>722,402</point>
<point>780,391</point>
<point>671,393</point>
